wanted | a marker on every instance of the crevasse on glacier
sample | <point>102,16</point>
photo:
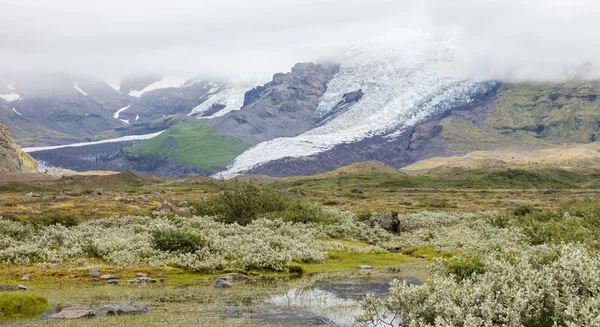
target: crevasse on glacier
<point>403,85</point>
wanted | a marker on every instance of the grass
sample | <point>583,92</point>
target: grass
<point>348,262</point>
<point>21,304</point>
<point>191,144</point>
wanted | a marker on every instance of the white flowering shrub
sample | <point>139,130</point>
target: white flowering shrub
<point>131,241</point>
<point>539,286</point>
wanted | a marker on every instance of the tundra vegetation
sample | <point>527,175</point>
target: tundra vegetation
<point>499,255</point>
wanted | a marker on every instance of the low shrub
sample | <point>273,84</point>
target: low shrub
<point>296,269</point>
<point>22,304</point>
<point>436,203</point>
<point>172,240</point>
<point>523,210</point>
<point>56,218</point>
<point>243,202</point>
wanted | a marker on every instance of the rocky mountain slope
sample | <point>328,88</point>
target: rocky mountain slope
<point>395,104</point>
<point>12,158</point>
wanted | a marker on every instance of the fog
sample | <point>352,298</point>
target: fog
<point>510,40</point>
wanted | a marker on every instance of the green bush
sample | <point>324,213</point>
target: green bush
<point>54,219</point>
<point>364,216</point>
<point>22,304</point>
<point>243,202</point>
<point>173,240</point>
<point>463,266</point>
<point>296,269</point>
<point>523,210</point>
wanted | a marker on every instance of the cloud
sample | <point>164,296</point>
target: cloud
<point>514,40</point>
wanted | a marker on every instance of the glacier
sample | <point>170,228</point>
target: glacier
<point>10,97</point>
<point>165,83</point>
<point>230,94</point>
<point>403,84</point>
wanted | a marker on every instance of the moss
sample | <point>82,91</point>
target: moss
<point>22,304</point>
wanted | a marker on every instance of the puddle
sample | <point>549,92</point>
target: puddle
<point>332,303</point>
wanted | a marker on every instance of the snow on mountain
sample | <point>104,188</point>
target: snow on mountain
<point>16,112</point>
<point>164,83</point>
<point>10,87</point>
<point>229,94</point>
<point>115,85</point>
<point>402,85</point>
<point>76,87</point>
<point>115,140</point>
<point>116,115</point>
<point>10,97</point>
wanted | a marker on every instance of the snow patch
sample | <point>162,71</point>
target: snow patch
<point>125,121</point>
<point>115,85</point>
<point>76,87</point>
<point>10,97</point>
<point>10,87</point>
<point>115,140</point>
<point>230,94</point>
<point>16,112</point>
<point>403,85</point>
<point>165,83</point>
<point>116,115</point>
<point>137,117</point>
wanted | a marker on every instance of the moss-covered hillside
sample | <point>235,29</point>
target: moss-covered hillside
<point>529,114</point>
<point>12,157</point>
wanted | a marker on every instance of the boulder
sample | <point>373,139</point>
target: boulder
<point>221,283</point>
<point>141,275</point>
<point>162,275</point>
<point>131,308</point>
<point>183,203</point>
<point>365,267</point>
<point>94,273</point>
<point>98,191</point>
<point>104,311</point>
<point>73,313</point>
<point>107,277</point>
<point>151,281</point>
<point>34,195</point>
<point>134,281</point>
<point>22,287</point>
<point>388,221</point>
<point>26,277</point>
<point>165,206</point>
<point>113,282</point>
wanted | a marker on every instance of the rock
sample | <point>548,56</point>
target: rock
<point>94,273</point>
<point>365,267</point>
<point>98,191</point>
<point>161,275</point>
<point>357,191</point>
<point>183,203</point>
<point>151,281</point>
<point>134,281</point>
<point>234,278</point>
<point>148,192</point>
<point>107,277</point>
<point>22,287</point>
<point>184,212</point>
<point>165,206</point>
<point>104,311</point>
<point>253,273</point>
<point>131,308</point>
<point>424,256</point>
<point>141,275</point>
<point>113,282</point>
<point>26,277</point>
<point>388,221</point>
<point>118,198</point>
<point>220,283</point>
<point>73,313</point>
<point>72,276</point>
<point>34,195</point>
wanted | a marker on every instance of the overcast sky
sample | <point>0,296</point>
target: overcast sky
<point>510,39</point>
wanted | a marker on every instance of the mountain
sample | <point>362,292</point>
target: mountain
<point>12,158</point>
<point>50,108</point>
<point>397,104</point>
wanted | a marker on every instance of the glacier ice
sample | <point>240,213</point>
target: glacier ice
<point>165,83</point>
<point>230,94</point>
<point>10,97</point>
<point>402,84</point>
